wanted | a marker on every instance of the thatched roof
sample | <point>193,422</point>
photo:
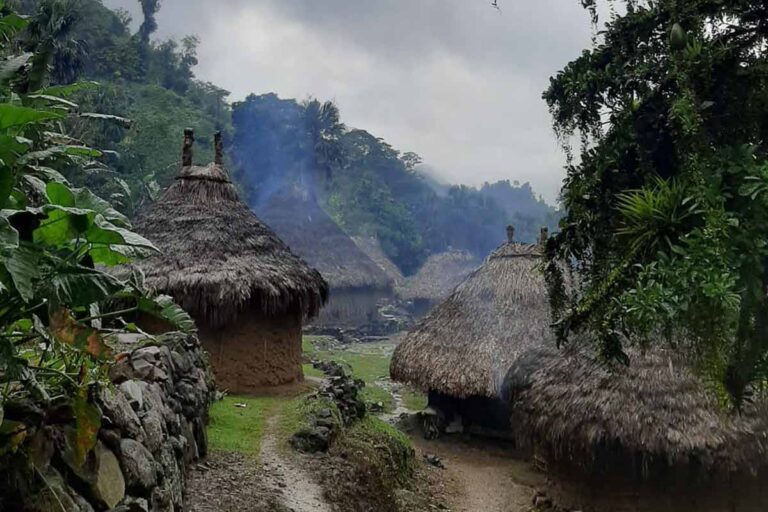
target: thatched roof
<point>492,338</point>
<point>217,259</point>
<point>438,276</point>
<point>465,346</point>
<point>312,233</point>
<point>372,248</point>
<point>656,409</point>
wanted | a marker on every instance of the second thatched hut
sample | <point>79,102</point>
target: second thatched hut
<point>248,293</point>
<point>461,352</point>
<point>435,280</point>
<point>357,284</point>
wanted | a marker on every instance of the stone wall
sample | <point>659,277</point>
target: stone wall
<point>152,427</point>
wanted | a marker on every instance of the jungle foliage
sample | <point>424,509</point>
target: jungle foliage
<point>666,224</point>
<point>59,306</point>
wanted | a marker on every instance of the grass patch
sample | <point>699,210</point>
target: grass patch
<point>414,400</point>
<point>367,362</point>
<point>382,450</point>
<point>239,429</point>
<point>310,371</point>
<point>298,414</point>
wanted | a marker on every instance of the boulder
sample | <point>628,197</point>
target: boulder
<point>115,407</point>
<point>138,466</point>
<point>108,483</point>
<point>132,392</point>
<point>152,421</point>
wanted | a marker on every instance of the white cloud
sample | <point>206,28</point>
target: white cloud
<point>454,80</point>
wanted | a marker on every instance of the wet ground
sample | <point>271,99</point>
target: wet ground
<point>479,475</point>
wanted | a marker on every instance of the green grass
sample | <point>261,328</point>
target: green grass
<point>236,429</point>
<point>369,362</point>
<point>414,400</point>
<point>378,445</point>
<point>298,414</point>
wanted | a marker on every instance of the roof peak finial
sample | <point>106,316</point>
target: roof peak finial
<point>543,235</point>
<point>510,233</point>
<point>218,146</point>
<point>186,151</point>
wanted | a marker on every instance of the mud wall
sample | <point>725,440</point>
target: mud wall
<point>153,421</point>
<point>255,352</point>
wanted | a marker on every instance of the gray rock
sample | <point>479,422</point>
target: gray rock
<point>161,500</point>
<point>108,485</point>
<point>190,452</point>
<point>133,394</point>
<point>55,496</point>
<point>173,480</point>
<point>152,421</point>
<point>138,466</point>
<point>132,504</point>
<point>119,412</point>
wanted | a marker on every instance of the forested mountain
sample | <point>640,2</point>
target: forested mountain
<point>369,187</point>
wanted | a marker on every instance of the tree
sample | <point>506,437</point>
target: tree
<point>667,210</point>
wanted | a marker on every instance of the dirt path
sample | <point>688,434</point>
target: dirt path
<point>285,471</point>
<point>482,475</point>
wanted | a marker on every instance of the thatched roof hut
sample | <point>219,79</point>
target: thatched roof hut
<point>372,248</point>
<point>310,232</point>
<point>466,345</point>
<point>438,276</point>
<point>230,271</point>
<point>656,411</point>
<point>217,258</point>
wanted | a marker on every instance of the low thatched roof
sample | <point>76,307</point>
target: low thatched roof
<point>438,276</point>
<point>312,233</point>
<point>656,409</point>
<point>466,345</point>
<point>372,248</point>
<point>217,259</point>
<point>492,338</point>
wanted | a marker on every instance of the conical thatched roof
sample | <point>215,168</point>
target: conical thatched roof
<point>656,409</point>
<point>217,259</point>
<point>492,338</point>
<point>372,248</point>
<point>311,233</point>
<point>438,276</point>
<point>465,346</point>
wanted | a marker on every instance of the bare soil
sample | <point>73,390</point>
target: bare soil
<point>482,475</point>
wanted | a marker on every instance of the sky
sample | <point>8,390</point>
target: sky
<point>456,81</point>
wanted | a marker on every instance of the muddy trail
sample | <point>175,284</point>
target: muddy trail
<point>482,475</point>
<point>275,481</point>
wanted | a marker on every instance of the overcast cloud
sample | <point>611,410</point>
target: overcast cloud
<point>456,81</point>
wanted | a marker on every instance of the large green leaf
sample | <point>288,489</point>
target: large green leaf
<point>16,116</point>
<point>22,265</point>
<point>127,123</point>
<point>81,439</point>
<point>11,25</point>
<point>64,91</point>
<point>11,148</point>
<point>77,286</point>
<point>165,308</point>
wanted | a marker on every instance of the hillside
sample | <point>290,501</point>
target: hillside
<point>368,187</point>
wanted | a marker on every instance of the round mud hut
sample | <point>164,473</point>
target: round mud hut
<point>435,280</point>
<point>460,353</point>
<point>651,436</point>
<point>357,283</point>
<point>246,290</point>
